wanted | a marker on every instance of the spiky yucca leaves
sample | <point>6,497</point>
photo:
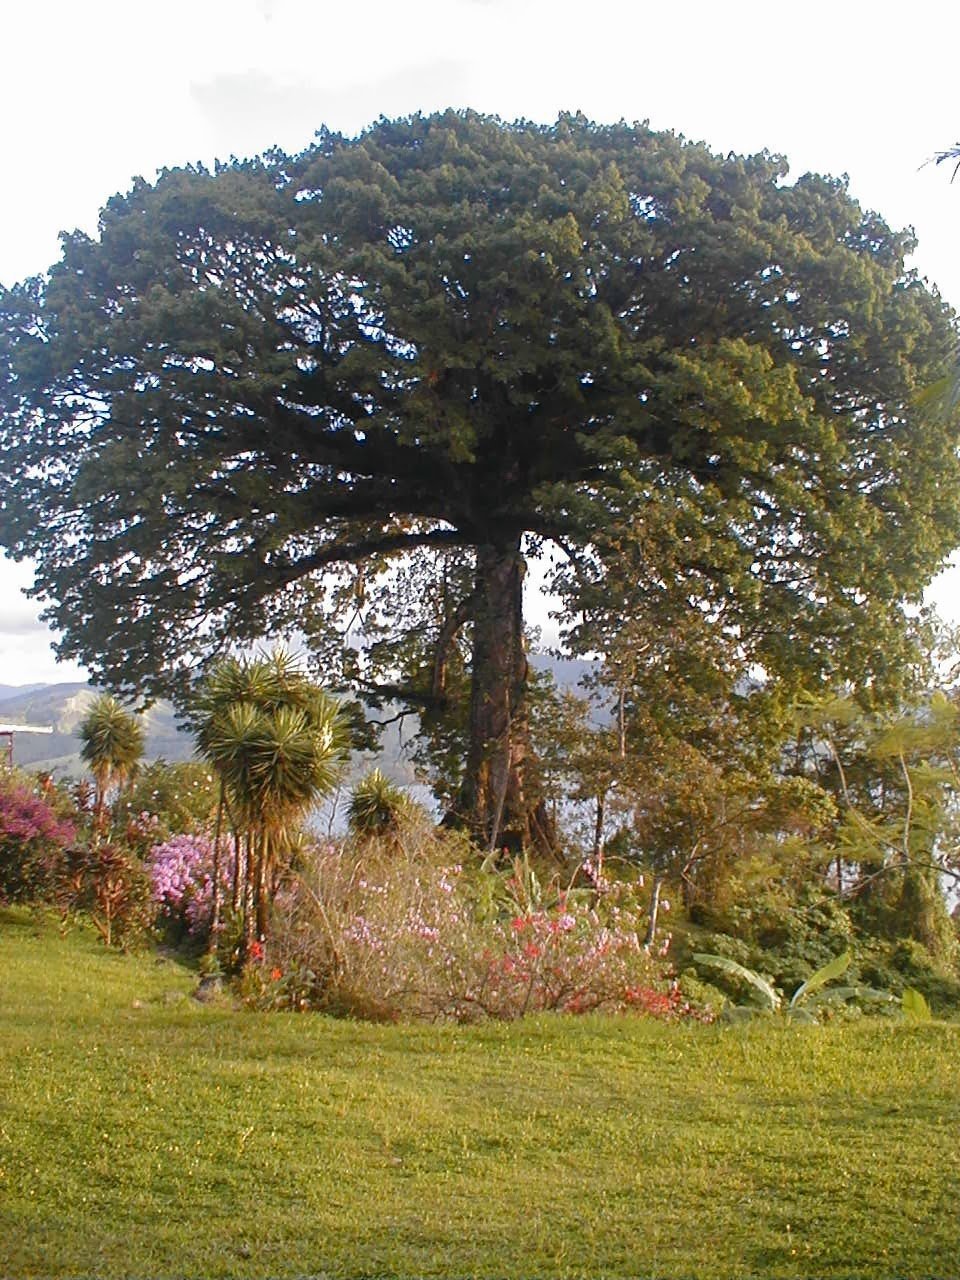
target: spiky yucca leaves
<point>112,744</point>
<point>276,761</point>
<point>379,808</point>
<point>278,743</point>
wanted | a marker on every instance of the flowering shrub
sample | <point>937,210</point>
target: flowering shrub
<point>140,832</point>
<point>418,936</point>
<point>32,841</point>
<point>181,875</point>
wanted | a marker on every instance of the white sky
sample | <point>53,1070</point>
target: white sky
<point>94,93</point>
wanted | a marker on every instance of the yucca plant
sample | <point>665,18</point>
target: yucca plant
<point>112,745</point>
<point>378,808</point>
<point>278,744</point>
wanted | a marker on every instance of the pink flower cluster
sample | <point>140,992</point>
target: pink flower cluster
<point>181,875</point>
<point>26,819</point>
<point>569,958</point>
<point>422,941</point>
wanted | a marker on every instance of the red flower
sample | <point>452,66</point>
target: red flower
<point>256,950</point>
<point>276,975</point>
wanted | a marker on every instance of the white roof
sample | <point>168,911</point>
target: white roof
<point>23,728</point>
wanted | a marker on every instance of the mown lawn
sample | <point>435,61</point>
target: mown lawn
<point>144,1135</point>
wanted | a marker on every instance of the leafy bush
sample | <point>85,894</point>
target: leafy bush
<point>403,929</point>
<point>905,963</point>
<point>786,935</point>
<point>379,808</point>
<point>108,883</point>
<point>177,798</point>
<point>33,838</point>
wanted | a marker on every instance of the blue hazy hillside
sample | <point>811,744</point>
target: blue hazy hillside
<point>61,707</point>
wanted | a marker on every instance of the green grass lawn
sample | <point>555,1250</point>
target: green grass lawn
<point>144,1135</point>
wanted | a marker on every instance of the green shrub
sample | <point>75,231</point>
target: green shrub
<point>168,799</point>
<point>895,965</point>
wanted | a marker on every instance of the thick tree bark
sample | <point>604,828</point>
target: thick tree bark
<point>494,801</point>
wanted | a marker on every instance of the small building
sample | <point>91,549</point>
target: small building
<point>6,738</point>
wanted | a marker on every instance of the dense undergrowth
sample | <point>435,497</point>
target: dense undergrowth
<point>403,921</point>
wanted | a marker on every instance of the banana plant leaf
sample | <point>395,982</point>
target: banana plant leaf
<point>770,995</point>
<point>834,969</point>
<point>914,1006</point>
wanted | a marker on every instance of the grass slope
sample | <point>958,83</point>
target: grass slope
<point>144,1135</point>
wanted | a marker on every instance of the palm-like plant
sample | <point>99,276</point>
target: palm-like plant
<point>278,743</point>
<point>112,745</point>
<point>379,808</point>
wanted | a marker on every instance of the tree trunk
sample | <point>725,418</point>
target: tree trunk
<point>651,935</point>
<point>262,894</point>
<point>216,908</point>
<point>249,901</point>
<point>238,871</point>
<point>600,815</point>
<point>493,799</point>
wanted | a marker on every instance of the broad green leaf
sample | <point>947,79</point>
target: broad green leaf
<point>834,969</point>
<point>914,1006</point>
<point>770,995</point>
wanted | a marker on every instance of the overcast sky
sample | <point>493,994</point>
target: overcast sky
<point>94,93</point>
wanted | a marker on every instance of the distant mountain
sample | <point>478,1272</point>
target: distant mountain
<point>62,707</point>
<point>14,690</point>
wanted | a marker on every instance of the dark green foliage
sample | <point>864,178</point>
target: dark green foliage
<point>261,385</point>
<point>905,963</point>
<point>787,938</point>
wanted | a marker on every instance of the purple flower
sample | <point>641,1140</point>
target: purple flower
<point>181,874</point>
